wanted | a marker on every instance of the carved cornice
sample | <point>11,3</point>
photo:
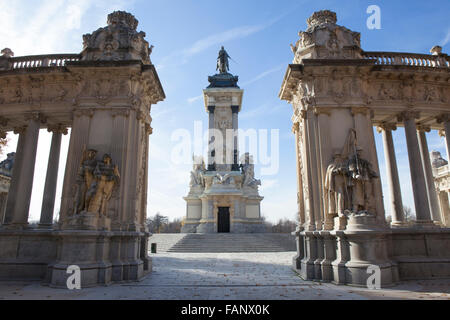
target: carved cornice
<point>359,110</point>
<point>20,130</point>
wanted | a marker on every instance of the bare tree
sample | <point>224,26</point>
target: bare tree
<point>409,214</point>
<point>155,224</point>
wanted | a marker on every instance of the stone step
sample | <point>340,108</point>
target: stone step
<point>216,243</point>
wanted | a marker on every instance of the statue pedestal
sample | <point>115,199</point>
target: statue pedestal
<point>87,221</point>
<point>340,223</point>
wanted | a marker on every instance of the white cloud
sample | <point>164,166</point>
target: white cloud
<point>182,56</point>
<point>194,99</point>
<point>446,39</point>
<point>264,74</point>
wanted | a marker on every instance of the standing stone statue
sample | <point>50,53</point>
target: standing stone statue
<point>223,65</point>
<point>85,179</point>
<point>248,170</point>
<point>197,173</point>
<point>336,186</point>
<point>361,177</point>
<point>106,177</point>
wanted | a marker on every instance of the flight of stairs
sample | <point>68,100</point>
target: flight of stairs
<point>225,242</point>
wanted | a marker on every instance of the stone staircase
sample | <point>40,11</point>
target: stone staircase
<point>225,242</point>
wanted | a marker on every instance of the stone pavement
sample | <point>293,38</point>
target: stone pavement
<point>227,276</point>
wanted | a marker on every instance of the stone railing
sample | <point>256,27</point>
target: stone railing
<point>49,60</point>
<point>408,59</point>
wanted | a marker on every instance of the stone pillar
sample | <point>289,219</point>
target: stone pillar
<point>300,199</point>
<point>416,166</point>
<point>22,207</point>
<point>48,201</point>
<point>310,212</point>
<point>428,171</point>
<point>324,159</point>
<point>235,111</point>
<point>443,199</point>
<point>398,216</point>
<point>13,195</point>
<point>445,120</point>
<point>211,148</point>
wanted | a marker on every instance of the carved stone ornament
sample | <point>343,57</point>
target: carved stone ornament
<point>95,183</point>
<point>118,41</point>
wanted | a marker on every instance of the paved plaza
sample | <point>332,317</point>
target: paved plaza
<point>227,276</point>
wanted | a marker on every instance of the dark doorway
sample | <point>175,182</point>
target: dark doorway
<point>223,223</point>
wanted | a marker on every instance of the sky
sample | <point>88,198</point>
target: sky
<point>187,35</point>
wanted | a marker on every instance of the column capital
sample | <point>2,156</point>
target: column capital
<point>408,115</point>
<point>423,128</point>
<point>20,130</point>
<point>148,129</point>
<point>385,126</point>
<point>441,133</point>
<point>211,109</point>
<point>235,109</point>
<point>359,110</point>
<point>322,110</point>
<point>445,117</point>
<point>57,128</point>
<point>303,114</point>
<point>3,134</point>
<point>36,116</point>
<point>296,127</point>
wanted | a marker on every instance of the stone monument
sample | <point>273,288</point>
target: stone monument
<point>6,168</point>
<point>105,95</point>
<point>223,195</point>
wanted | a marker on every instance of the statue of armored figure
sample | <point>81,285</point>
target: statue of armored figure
<point>248,170</point>
<point>349,182</point>
<point>106,177</point>
<point>223,65</point>
<point>336,186</point>
<point>85,179</point>
<point>361,176</point>
<point>95,183</point>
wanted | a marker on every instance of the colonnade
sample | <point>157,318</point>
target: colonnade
<point>426,200</point>
<point>19,196</point>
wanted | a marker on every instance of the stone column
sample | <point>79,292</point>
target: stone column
<point>311,223</point>
<point>428,171</point>
<point>443,199</point>
<point>416,166</point>
<point>300,199</point>
<point>235,111</point>
<point>211,148</point>
<point>324,159</point>
<point>12,193</point>
<point>398,216</point>
<point>48,201</point>
<point>25,185</point>
<point>445,120</point>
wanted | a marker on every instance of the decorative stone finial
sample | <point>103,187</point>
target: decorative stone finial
<point>7,53</point>
<point>118,41</point>
<point>436,50</point>
<point>122,18</point>
<point>322,17</point>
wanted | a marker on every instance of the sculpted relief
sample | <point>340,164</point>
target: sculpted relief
<point>349,182</point>
<point>95,183</point>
